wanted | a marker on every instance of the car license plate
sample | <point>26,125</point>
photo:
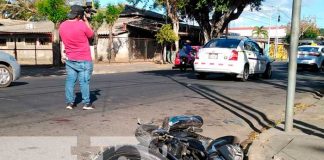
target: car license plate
<point>213,56</point>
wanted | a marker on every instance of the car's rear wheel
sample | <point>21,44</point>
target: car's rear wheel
<point>245,75</point>
<point>268,72</point>
<point>5,76</point>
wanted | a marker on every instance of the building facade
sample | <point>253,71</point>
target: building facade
<point>29,42</point>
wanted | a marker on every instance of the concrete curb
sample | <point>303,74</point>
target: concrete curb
<point>271,142</point>
<point>256,150</point>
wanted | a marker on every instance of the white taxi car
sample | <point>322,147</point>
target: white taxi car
<point>311,57</point>
<point>239,56</point>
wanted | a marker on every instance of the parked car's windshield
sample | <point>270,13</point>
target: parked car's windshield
<point>223,43</point>
<point>308,49</point>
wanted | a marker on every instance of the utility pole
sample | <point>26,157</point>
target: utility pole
<point>292,65</point>
<point>276,38</point>
<point>269,31</point>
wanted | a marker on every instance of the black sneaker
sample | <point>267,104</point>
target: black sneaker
<point>88,107</point>
<point>70,106</point>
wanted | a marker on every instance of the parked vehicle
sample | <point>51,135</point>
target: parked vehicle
<point>306,42</point>
<point>183,64</point>
<point>9,69</point>
<point>178,139</point>
<point>311,57</point>
<point>238,56</point>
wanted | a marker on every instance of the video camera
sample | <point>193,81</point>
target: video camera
<point>88,11</point>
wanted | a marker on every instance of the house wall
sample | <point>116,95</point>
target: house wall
<point>120,47</point>
<point>128,49</point>
<point>29,52</point>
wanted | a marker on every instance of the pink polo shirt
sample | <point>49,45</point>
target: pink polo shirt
<point>75,35</point>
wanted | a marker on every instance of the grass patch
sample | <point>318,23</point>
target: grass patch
<point>300,107</point>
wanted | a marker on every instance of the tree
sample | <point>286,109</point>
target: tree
<point>165,35</point>
<point>56,11</point>
<point>96,21</point>
<point>308,29</point>
<point>260,32</point>
<point>322,31</point>
<point>18,9</point>
<point>111,15</point>
<point>213,16</point>
<point>173,8</point>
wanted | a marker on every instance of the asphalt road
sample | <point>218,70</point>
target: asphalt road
<point>34,106</point>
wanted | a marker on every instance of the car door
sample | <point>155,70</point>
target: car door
<point>261,58</point>
<point>252,57</point>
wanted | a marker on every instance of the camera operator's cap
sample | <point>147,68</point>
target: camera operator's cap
<point>75,11</point>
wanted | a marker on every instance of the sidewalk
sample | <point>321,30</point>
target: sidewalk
<point>305,142</point>
<point>99,68</point>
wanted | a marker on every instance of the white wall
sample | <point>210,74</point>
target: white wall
<point>247,31</point>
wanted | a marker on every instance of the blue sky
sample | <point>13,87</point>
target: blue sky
<point>310,8</point>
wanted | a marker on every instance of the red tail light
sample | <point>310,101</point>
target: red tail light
<point>314,54</point>
<point>234,56</point>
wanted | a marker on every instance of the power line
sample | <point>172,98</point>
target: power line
<point>266,16</point>
<point>256,20</point>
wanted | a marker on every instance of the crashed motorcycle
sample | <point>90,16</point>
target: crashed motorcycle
<point>178,138</point>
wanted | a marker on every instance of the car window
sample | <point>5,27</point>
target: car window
<point>255,47</point>
<point>248,46</point>
<point>308,49</point>
<point>223,43</point>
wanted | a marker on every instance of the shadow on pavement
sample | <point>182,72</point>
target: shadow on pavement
<point>41,70</point>
<point>93,96</point>
<point>309,128</point>
<point>15,84</point>
<point>237,108</point>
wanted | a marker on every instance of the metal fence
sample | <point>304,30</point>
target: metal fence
<point>143,49</point>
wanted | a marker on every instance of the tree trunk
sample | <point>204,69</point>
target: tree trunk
<point>206,36</point>
<point>173,14</point>
<point>176,27</point>
<point>176,31</point>
<point>111,57</point>
<point>95,46</point>
<point>164,54</point>
<point>56,47</point>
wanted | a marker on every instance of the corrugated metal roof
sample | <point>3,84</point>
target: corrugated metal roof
<point>18,26</point>
<point>119,27</point>
<point>146,24</point>
<point>133,11</point>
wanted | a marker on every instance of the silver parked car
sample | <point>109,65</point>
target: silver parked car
<point>311,57</point>
<point>9,69</point>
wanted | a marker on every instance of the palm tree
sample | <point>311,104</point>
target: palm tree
<point>260,32</point>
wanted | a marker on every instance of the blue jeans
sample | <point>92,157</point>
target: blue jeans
<point>78,70</point>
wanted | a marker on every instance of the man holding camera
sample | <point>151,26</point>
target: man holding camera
<point>75,34</point>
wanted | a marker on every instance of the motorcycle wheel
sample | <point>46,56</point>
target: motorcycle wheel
<point>183,67</point>
<point>131,152</point>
